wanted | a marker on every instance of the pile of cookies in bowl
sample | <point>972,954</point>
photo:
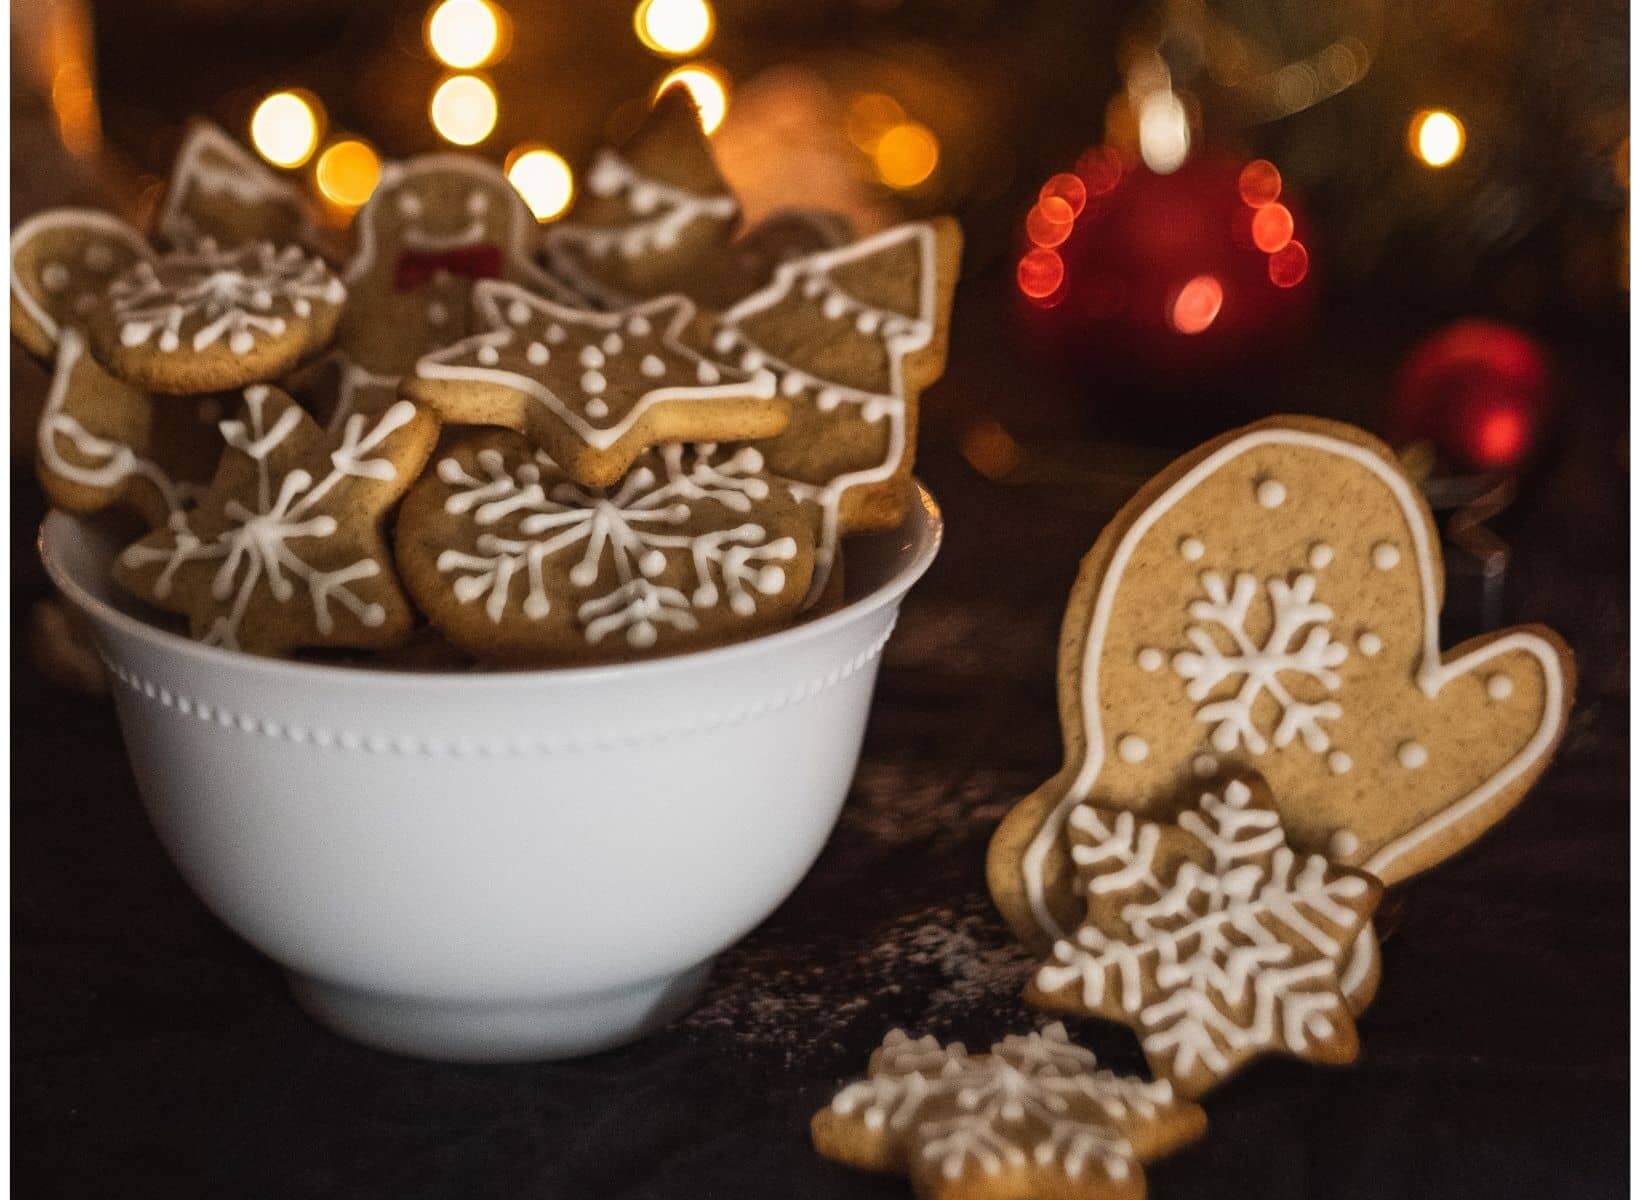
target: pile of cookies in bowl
<point>469,439</point>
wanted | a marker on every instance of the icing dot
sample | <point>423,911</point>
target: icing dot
<point>1272,493</point>
<point>613,344</point>
<point>591,356</point>
<point>437,313</point>
<point>1192,549</point>
<point>593,382</point>
<point>1385,556</point>
<point>583,574</point>
<point>241,341</point>
<point>707,373</point>
<point>652,366</point>
<point>639,327</point>
<point>1343,843</point>
<point>555,334</point>
<point>1321,555</point>
<point>1150,659</point>
<point>518,312</point>
<point>1500,687</point>
<point>538,353</point>
<point>489,355</point>
<point>1132,749</point>
<point>791,385</point>
<point>1411,755</point>
<point>724,341</point>
<point>751,361</point>
<point>652,563</point>
<point>99,257</point>
<point>1339,763</point>
<point>54,277</point>
<point>1204,765</point>
<point>868,321</point>
<point>834,306</point>
<point>1369,644</point>
<point>597,409</point>
<point>169,340</point>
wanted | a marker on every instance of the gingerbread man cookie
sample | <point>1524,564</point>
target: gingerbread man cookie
<point>220,196</point>
<point>593,389</point>
<point>652,216</point>
<point>515,562</point>
<point>1210,936</point>
<point>1271,602</point>
<point>286,550</point>
<point>62,261</point>
<point>1034,1117</point>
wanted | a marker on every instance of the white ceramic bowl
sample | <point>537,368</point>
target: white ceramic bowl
<point>501,866</point>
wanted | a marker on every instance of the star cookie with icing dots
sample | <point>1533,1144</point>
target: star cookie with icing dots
<point>1271,602</point>
<point>286,550</point>
<point>213,320</point>
<point>653,216</point>
<point>516,562</point>
<point>1034,1117</point>
<point>1210,936</point>
<point>593,389</point>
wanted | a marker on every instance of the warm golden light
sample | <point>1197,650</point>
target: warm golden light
<point>674,27</point>
<point>906,155</point>
<point>544,179</point>
<point>706,86</point>
<point>464,110</point>
<point>1197,305</point>
<point>285,129</point>
<point>464,33</point>
<point>1040,273</point>
<point>1437,137</point>
<point>870,115</point>
<point>347,172</point>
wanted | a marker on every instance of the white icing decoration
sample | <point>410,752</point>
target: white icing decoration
<point>1431,674</point>
<point>1321,556</point>
<point>1242,952</point>
<point>1343,844</point>
<point>538,354</point>
<point>1131,748</point>
<point>596,408</point>
<point>54,277</point>
<point>1411,755</point>
<point>488,355</point>
<point>85,221</point>
<point>1500,687</point>
<point>1339,763</point>
<point>652,367</point>
<point>1204,766</point>
<point>1370,644</point>
<point>518,312</point>
<point>1385,556</point>
<point>1295,613</point>
<point>1151,659</point>
<point>264,543</point>
<point>705,372</point>
<point>629,528</point>
<point>1272,493</point>
<point>235,174</point>
<point>1191,549</point>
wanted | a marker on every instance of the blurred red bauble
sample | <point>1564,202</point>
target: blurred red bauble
<point>1165,279</point>
<point>1479,391</point>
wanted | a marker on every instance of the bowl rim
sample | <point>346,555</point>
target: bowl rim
<point>926,510</point>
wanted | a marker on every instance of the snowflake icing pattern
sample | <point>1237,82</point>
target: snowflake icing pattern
<point>633,524</point>
<point>1212,964</point>
<point>1295,614</point>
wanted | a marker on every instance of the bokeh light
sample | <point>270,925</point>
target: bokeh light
<point>464,33</point>
<point>285,128</point>
<point>706,86</point>
<point>1067,188</point>
<point>1289,265</point>
<point>1437,137</point>
<point>1040,273</point>
<point>991,450</point>
<point>1500,436</point>
<point>1050,221</point>
<point>1272,227</point>
<point>1101,169</point>
<point>674,27</point>
<point>347,172</point>
<point>1196,305</point>
<point>870,115</point>
<point>543,178</point>
<point>1259,183</point>
<point>906,155</point>
<point>464,109</point>
<point>1164,132</point>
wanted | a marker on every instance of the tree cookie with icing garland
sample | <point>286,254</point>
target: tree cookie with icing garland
<point>652,216</point>
<point>62,261</point>
<point>220,196</point>
<point>853,336</point>
<point>1210,936</point>
<point>286,548</point>
<point>1034,1117</point>
<point>593,390</point>
<point>213,320</point>
<point>517,563</point>
<point>1270,602</point>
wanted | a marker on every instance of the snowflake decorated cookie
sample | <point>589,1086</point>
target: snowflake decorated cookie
<point>853,336</point>
<point>1270,603</point>
<point>1210,936</point>
<point>219,195</point>
<point>213,320</point>
<point>652,217</point>
<point>516,562</point>
<point>1034,1117</point>
<point>286,550</point>
<point>62,261</point>
<point>593,390</point>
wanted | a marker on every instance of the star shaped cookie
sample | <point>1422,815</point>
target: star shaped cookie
<point>593,390</point>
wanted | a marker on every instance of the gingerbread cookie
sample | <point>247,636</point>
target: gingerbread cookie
<point>750,263</point>
<point>286,549</point>
<point>62,261</point>
<point>652,215</point>
<point>1210,936</point>
<point>515,562</point>
<point>593,389</point>
<point>1271,602</point>
<point>1034,1117</point>
<point>213,320</point>
<point>220,196</point>
<point>853,336</point>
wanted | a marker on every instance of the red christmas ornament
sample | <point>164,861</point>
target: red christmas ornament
<point>1165,278</point>
<point>1479,390</point>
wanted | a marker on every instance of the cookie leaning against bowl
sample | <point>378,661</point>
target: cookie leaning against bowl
<point>213,320</point>
<point>518,564</point>
<point>1271,602</point>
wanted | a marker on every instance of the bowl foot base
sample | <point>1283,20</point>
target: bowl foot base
<point>524,1030</point>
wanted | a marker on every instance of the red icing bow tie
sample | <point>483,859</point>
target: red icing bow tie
<point>415,268</point>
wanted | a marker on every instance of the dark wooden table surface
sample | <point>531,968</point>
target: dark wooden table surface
<point>156,1054</point>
